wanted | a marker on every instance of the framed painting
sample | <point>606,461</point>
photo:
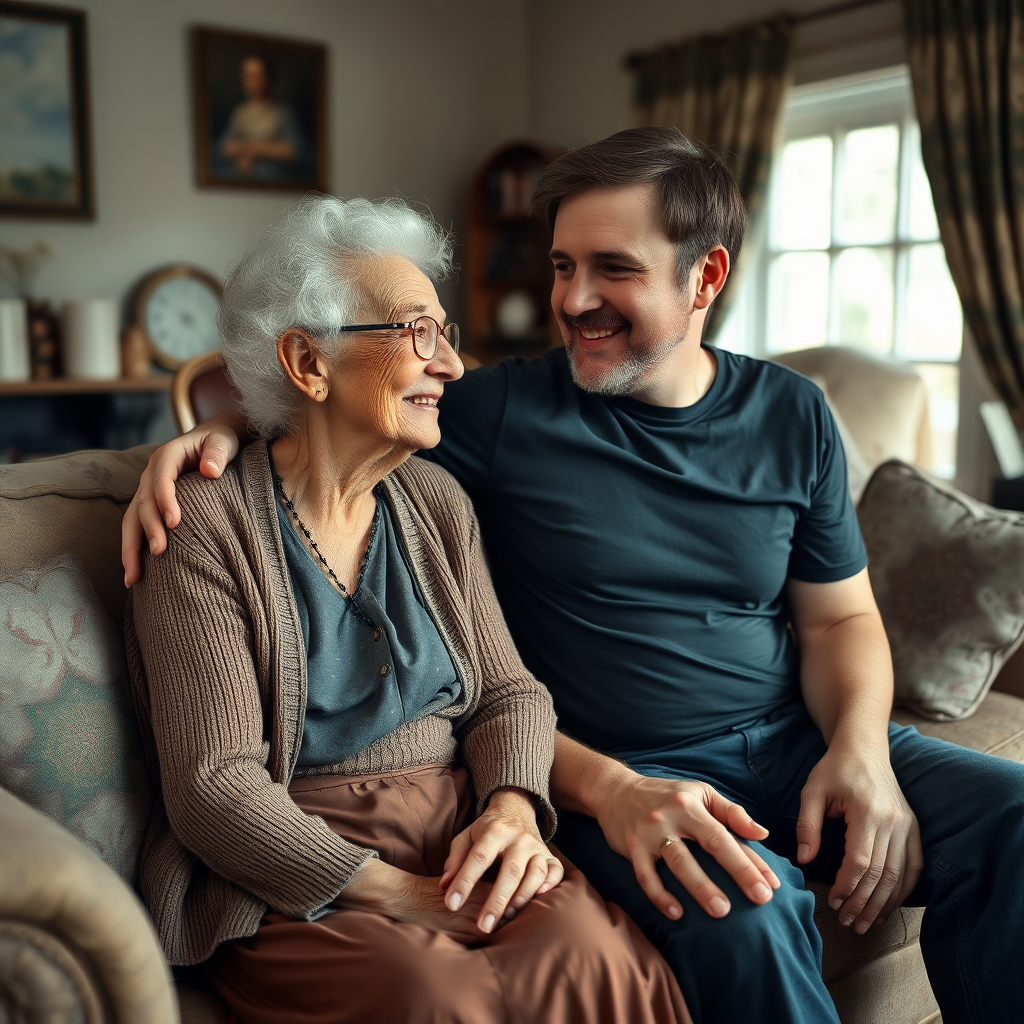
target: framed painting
<point>45,156</point>
<point>260,111</point>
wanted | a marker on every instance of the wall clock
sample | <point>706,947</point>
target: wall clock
<point>176,313</point>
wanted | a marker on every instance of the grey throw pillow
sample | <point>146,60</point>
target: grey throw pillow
<point>948,575</point>
<point>69,744</point>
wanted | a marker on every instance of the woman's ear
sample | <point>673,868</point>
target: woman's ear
<point>301,361</point>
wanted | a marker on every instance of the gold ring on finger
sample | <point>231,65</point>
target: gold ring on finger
<point>667,842</point>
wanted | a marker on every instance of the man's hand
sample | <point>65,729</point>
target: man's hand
<point>638,813</point>
<point>210,446</point>
<point>846,679</point>
<point>883,858</point>
<point>384,889</point>
<point>507,830</point>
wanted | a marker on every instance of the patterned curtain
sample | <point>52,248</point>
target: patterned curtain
<point>967,64</point>
<point>726,91</point>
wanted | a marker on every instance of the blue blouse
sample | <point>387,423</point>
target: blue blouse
<point>373,660</point>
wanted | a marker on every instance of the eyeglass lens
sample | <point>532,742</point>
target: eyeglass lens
<point>425,332</point>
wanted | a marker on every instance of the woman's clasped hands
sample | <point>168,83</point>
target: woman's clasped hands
<point>460,902</point>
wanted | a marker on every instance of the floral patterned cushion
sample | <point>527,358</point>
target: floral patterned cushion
<point>948,575</point>
<point>68,740</point>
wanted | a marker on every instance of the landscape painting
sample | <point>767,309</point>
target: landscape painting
<point>44,143</point>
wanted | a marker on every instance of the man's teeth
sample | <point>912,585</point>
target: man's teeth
<point>423,400</point>
<point>592,335</point>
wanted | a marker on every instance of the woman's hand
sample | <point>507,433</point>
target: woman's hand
<point>506,830</point>
<point>384,889</point>
<point>210,447</point>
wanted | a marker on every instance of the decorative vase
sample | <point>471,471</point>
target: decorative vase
<point>14,359</point>
<point>43,340</point>
<point>92,350</point>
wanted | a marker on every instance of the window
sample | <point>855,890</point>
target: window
<point>850,252</point>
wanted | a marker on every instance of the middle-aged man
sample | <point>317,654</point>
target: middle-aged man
<point>656,514</point>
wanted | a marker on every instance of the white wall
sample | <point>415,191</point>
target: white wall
<point>582,89</point>
<point>396,125</point>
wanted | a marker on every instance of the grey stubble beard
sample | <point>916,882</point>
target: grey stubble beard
<point>624,376</point>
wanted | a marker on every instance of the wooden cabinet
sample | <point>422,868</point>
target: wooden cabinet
<point>508,274</point>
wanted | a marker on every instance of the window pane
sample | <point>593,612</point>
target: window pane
<point>943,382</point>
<point>863,297</point>
<point>935,322</point>
<point>921,222</point>
<point>802,212</point>
<point>797,301</point>
<point>866,193</point>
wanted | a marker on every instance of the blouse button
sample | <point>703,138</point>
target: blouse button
<point>377,633</point>
<point>385,669</point>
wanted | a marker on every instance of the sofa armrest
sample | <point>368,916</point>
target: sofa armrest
<point>73,937</point>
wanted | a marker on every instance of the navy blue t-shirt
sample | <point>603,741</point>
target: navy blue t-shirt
<point>640,553</point>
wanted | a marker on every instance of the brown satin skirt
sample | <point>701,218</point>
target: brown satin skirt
<point>567,958</point>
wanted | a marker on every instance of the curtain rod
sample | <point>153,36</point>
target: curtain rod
<point>634,60</point>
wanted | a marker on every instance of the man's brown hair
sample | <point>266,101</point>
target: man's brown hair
<point>701,205</point>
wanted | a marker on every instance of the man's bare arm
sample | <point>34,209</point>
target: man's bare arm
<point>846,679</point>
<point>208,447</point>
<point>637,814</point>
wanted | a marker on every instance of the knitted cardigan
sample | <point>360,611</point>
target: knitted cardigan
<point>218,679</point>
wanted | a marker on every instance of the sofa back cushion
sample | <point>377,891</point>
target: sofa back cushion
<point>69,742</point>
<point>71,505</point>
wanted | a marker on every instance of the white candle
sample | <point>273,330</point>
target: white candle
<point>89,340</point>
<point>14,355</point>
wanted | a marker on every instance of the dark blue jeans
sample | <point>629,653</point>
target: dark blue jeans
<point>763,963</point>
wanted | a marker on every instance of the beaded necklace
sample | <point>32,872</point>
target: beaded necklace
<point>279,484</point>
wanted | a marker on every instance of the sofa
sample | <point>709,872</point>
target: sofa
<point>76,944</point>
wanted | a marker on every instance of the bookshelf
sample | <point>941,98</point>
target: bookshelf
<point>508,284</point>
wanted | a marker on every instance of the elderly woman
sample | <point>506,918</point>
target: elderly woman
<point>353,761</point>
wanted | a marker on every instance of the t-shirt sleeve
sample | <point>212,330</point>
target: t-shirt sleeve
<point>827,542</point>
<point>472,412</point>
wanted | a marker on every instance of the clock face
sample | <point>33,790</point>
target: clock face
<point>181,318</point>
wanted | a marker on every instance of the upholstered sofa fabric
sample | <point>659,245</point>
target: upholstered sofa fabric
<point>71,505</point>
<point>948,575</point>
<point>69,742</point>
<point>102,949</point>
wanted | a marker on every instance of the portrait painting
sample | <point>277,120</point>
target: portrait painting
<point>45,165</point>
<point>260,115</point>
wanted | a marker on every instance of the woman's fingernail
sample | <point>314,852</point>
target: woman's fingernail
<point>774,879</point>
<point>862,927</point>
<point>803,851</point>
<point>847,921</point>
<point>455,900</point>
<point>761,892</point>
<point>511,912</point>
<point>675,912</point>
<point>718,906</point>
<point>488,923</point>
<point>167,518</point>
<point>444,878</point>
<point>152,547</point>
<point>836,903</point>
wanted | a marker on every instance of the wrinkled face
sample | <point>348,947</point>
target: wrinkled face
<point>255,80</point>
<point>379,385</point>
<point>616,297</point>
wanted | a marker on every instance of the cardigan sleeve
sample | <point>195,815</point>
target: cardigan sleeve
<point>509,740</point>
<point>203,698</point>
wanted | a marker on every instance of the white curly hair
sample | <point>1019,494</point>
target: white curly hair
<point>296,274</point>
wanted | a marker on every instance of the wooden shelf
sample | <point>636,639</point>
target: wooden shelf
<point>155,382</point>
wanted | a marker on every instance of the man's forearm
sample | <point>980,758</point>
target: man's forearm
<point>846,679</point>
<point>580,776</point>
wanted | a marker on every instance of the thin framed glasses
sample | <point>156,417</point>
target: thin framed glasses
<point>425,334</point>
